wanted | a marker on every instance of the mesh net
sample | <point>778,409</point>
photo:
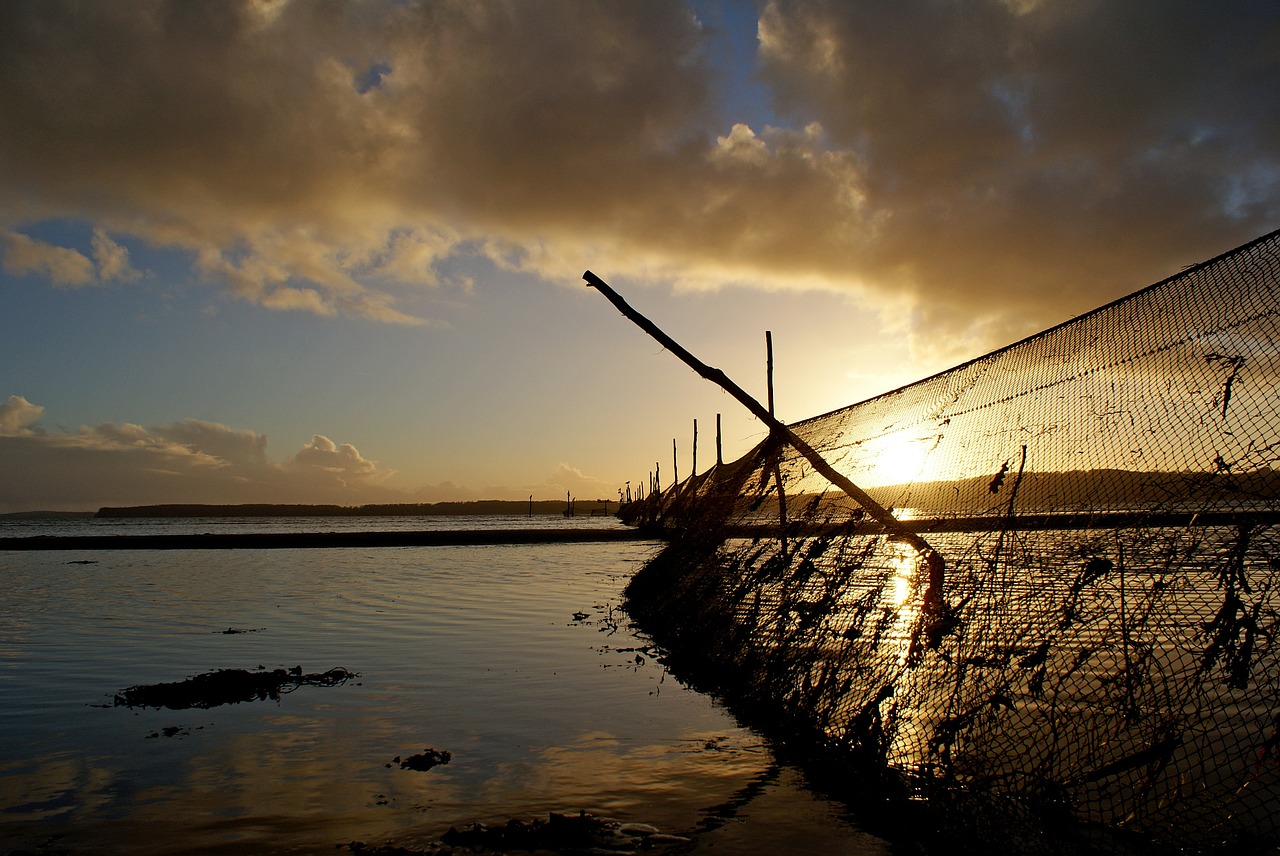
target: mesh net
<point>1074,603</point>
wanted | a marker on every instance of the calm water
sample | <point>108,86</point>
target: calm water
<point>514,659</point>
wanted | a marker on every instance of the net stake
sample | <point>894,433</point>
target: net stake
<point>719,447</point>
<point>933,602</point>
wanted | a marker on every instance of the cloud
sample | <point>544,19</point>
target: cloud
<point>234,446</point>
<point>188,461</point>
<point>1025,160</point>
<point>976,171</point>
<point>112,259</point>
<point>196,461</point>
<point>63,266</point>
<point>565,478</point>
<point>17,415</point>
<point>447,491</point>
<point>575,482</point>
<point>344,462</point>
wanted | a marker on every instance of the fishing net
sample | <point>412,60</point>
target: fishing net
<point>1074,601</point>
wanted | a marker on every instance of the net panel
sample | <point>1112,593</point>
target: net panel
<point>1104,499</point>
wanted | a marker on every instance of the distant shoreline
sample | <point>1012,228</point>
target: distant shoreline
<point>295,540</point>
<point>484,507</point>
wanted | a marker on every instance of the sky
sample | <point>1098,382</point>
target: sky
<point>327,252</point>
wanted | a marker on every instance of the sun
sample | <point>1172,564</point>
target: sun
<point>897,460</point>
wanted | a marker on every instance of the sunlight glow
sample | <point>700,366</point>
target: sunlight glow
<point>901,594</point>
<point>897,460</point>
<point>903,560</point>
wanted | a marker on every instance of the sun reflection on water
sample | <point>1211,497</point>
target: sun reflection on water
<point>901,595</point>
<point>902,560</point>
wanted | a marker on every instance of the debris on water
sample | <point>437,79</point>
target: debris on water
<point>582,833</point>
<point>231,631</point>
<point>83,562</point>
<point>173,731</point>
<point>228,686</point>
<point>361,849</point>
<point>580,616</point>
<point>636,656</point>
<point>998,479</point>
<point>425,761</point>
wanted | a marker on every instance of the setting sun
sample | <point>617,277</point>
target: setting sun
<point>897,460</point>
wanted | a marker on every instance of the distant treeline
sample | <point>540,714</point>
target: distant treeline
<point>478,507</point>
<point>1049,491</point>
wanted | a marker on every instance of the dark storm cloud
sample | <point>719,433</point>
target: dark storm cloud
<point>978,169</point>
<point>1040,157</point>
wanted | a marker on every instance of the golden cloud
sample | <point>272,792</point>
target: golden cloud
<point>979,170</point>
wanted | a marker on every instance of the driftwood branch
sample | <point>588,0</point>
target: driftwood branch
<point>933,593</point>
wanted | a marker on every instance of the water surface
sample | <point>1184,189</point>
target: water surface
<point>514,659</point>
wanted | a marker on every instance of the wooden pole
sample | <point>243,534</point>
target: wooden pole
<point>933,594</point>
<point>777,467</point>
<point>675,464</point>
<point>768,365</point>
<point>694,474</point>
<point>719,447</point>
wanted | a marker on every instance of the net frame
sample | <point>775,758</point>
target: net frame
<point>1104,497</point>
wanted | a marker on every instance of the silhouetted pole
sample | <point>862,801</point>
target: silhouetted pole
<point>675,464</point>
<point>777,467</point>
<point>768,365</point>
<point>695,450</point>
<point>530,505</point>
<point>933,593</point>
<point>719,448</point>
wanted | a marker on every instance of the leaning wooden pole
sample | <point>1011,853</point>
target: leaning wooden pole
<point>933,593</point>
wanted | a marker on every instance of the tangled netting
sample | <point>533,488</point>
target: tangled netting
<point>1075,602</point>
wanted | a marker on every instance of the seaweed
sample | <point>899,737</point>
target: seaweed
<point>425,761</point>
<point>228,686</point>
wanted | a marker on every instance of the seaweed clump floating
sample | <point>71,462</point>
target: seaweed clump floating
<point>583,833</point>
<point>228,686</point>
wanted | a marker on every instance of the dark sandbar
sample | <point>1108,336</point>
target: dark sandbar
<point>267,540</point>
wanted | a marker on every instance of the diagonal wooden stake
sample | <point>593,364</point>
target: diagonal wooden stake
<point>933,593</point>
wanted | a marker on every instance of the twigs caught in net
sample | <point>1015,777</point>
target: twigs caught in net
<point>1101,641</point>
